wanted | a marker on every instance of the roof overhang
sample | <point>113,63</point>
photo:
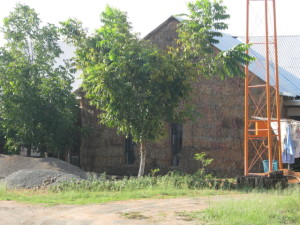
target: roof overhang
<point>292,103</point>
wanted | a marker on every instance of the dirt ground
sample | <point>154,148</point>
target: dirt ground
<point>153,211</point>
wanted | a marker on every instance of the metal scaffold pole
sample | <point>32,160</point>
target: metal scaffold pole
<point>246,149</point>
<point>262,134</point>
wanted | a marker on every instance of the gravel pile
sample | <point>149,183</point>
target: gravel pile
<point>26,172</point>
<point>36,178</point>
<point>11,164</point>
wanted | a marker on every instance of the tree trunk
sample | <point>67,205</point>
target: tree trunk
<point>143,160</point>
<point>68,155</point>
<point>28,150</point>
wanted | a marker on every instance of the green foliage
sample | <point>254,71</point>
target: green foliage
<point>201,157</point>
<point>73,32</point>
<point>230,61</point>
<point>136,85</point>
<point>37,109</point>
<point>173,180</point>
<point>199,31</point>
<point>154,172</point>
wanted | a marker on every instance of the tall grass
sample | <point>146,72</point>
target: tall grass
<point>258,207</point>
<point>173,180</point>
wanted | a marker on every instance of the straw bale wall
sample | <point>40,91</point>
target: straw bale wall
<point>218,131</point>
<point>165,35</point>
<point>100,146</point>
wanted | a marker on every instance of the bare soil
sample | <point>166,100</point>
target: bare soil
<point>153,211</point>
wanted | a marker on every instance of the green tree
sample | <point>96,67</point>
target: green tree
<point>199,30</point>
<point>139,87</point>
<point>136,85</point>
<point>37,108</point>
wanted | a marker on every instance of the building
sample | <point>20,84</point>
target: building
<point>218,131</point>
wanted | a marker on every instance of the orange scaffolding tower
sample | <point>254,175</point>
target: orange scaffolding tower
<point>262,100</point>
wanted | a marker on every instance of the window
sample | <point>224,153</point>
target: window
<point>176,142</point>
<point>129,150</point>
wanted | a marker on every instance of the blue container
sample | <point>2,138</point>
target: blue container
<point>266,165</point>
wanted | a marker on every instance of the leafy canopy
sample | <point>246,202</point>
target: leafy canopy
<point>136,85</point>
<point>37,108</point>
<point>199,30</point>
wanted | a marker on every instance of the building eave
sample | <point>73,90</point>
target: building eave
<point>292,103</point>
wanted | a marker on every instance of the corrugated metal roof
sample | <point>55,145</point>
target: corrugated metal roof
<point>288,61</point>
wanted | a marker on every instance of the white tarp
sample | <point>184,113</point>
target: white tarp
<point>290,138</point>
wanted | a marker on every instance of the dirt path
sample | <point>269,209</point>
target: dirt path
<point>153,211</point>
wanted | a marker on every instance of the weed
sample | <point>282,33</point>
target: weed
<point>134,216</point>
<point>189,216</point>
<point>154,172</point>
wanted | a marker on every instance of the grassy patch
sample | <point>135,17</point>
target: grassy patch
<point>91,197</point>
<point>260,208</point>
<point>255,207</point>
<point>100,190</point>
